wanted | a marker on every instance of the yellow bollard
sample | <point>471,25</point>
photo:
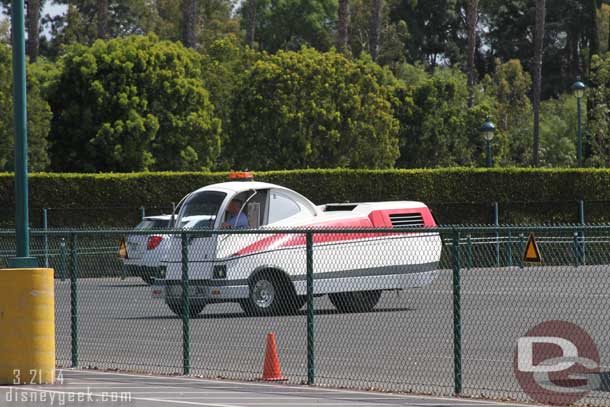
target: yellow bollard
<point>27,326</point>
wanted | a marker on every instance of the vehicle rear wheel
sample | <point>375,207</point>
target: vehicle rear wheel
<point>271,295</point>
<point>356,301</point>
<point>195,307</point>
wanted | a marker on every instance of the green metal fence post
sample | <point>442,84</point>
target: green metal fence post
<point>186,331</point>
<point>469,251</point>
<point>63,262</point>
<point>457,318</point>
<point>311,372</point>
<point>509,249</point>
<point>142,213</point>
<point>497,224</point>
<point>22,258</point>
<point>581,220</point>
<point>74,299</point>
<point>45,242</point>
<point>521,248</point>
<point>576,250</point>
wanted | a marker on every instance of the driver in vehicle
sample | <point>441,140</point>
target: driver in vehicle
<point>236,219</point>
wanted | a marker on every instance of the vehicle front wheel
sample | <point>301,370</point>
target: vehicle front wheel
<point>195,307</point>
<point>271,295</point>
<point>356,301</point>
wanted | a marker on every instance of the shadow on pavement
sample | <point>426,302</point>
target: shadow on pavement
<point>224,315</point>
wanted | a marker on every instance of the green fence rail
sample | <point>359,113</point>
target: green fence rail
<point>413,310</point>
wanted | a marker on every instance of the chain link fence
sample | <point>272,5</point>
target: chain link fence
<point>436,311</point>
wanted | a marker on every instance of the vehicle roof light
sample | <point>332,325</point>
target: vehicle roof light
<point>241,176</point>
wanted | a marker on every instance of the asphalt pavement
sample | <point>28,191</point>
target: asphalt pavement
<point>404,345</point>
<point>85,388</point>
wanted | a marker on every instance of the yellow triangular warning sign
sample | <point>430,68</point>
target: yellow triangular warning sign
<point>532,254</point>
<point>123,249</point>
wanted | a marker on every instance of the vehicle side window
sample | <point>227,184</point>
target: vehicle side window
<point>204,224</point>
<point>281,207</point>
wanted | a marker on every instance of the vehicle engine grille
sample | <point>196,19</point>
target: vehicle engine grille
<point>407,220</point>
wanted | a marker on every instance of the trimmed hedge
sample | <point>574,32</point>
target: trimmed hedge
<point>464,194</point>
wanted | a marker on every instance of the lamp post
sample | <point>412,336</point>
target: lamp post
<point>579,91</point>
<point>22,259</point>
<point>487,130</point>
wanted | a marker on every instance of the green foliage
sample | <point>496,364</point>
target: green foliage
<point>290,24</point>
<point>39,114</point>
<point>471,187</point>
<point>5,28</point>
<point>309,109</point>
<point>558,127</point>
<point>394,33</point>
<point>508,90</point>
<point>132,104</point>
<point>598,126</point>
<point>433,28</point>
<point>437,128</point>
<point>223,70</point>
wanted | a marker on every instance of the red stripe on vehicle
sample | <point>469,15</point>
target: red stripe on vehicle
<point>377,219</point>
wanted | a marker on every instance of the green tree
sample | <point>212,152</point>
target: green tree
<point>308,109</point>
<point>437,128</point>
<point>597,143</point>
<point>393,33</point>
<point>132,104</point>
<point>5,27</point>
<point>290,24</point>
<point>434,30</point>
<point>39,114</point>
<point>508,88</point>
<point>32,24</point>
<point>224,67</point>
<point>558,132</point>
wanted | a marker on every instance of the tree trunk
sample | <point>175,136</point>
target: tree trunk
<point>574,57</point>
<point>594,34</point>
<point>189,22</point>
<point>374,28</point>
<point>102,19</point>
<point>471,22</point>
<point>33,27</point>
<point>537,75</point>
<point>251,23</point>
<point>342,25</point>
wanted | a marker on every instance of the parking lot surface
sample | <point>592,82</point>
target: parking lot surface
<point>87,388</point>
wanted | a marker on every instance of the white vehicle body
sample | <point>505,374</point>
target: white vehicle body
<point>145,252</point>
<point>224,267</point>
<point>138,254</point>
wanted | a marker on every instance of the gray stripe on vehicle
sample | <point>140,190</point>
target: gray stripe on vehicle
<point>376,271</point>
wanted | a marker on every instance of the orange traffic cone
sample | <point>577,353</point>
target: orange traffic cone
<point>271,370</point>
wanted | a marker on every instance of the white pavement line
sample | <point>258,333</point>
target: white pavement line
<point>312,389</point>
<point>228,392</point>
<point>107,387</point>
<point>138,398</point>
<point>292,402</point>
<point>308,404</point>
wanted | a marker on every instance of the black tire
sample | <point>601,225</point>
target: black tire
<point>195,307</point>
<point>271,294</point>
<point>356,301</point>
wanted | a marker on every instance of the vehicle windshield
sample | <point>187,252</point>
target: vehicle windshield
<point>206,203</point>
<point>153,224</point>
